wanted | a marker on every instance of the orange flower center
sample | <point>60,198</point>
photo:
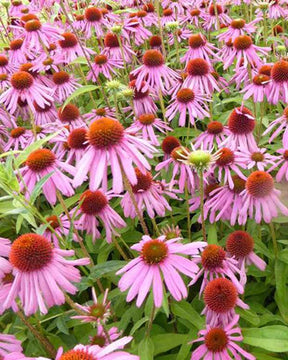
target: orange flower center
<point>242,42</point>
<point>144,181</point>
<point>226,157</point>
<point>69,114</point>
<point>155,41</point>
<point>92,202</point>
<point>105,132</point>
<point>196,41</point>
<point>279,72</point>
<point>257,156</point>
<point>239,123</point>
<point>69,40</point>
<point>77,355</point>
<point>238,23</point>
<point>259,184</point>
<point>53,221</point>
<point>3,61</point>
<point>40,159</point>
<point>60,77</point>
<point>214,127</point>
<point>153,58</point>
<point>21,80</point>
<point>16,133</point>
<point>146,119</point>
<point>30,252</point>
<point>198,67</point>
<point>220,295</point>
<point>77,139</point>
<point>111,40</point>
<point>169,144</point>
<point>185,95</point>
<point>240,244</point>
<point>100,59</point>
<point>216,340</point>
<point>260,79</point>
<point>154,251</point>
<point>212,257</point>
<point>93,14</point>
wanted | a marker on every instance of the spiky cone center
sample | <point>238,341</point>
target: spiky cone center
<point>285,155</point>
<point>28,17</point>
<point>167,12</point>
<point>53,221</point>
<point>238,23</point>
<point>17,132</point>
<point>285,113</point>
<point>197,67</point>
<point>16,3</point>
<point>212,257</point>
<point>77,139</point>
<point>79,17</point>
<point>21,80</point>
<point>155,41</point>
<point>215,128</point>
<point>199,159</point>
<point>278,29</point>
<point>99,340</point>
<point>185,95</point>
<point>30,252</point>
<point>32,25</point>
<point>93,14</point>
<point>179,153</point>
<point>138,94</point>
<point>69,114</point>
<point>111,40</point>
<point>216,340</point>
<point>259,184</point>
<point>3,61</point>
<point>97,310</point>
<point>257,156</point>
<point>154,251</point>
<point>239,244</point>
<point>16,44</point>
<point>229,43</point>
<point>239,123</point>
<point>60,77</point>
<point>279,71</point>
<point>169,144</point>
<point>92,202</point>
<point>149,8</point>
<point>100,59</point>
<point>239,184</point>
<point>242,42</point>
<point>146,119</point>
<point>153,58</point>
<point>226,157</point>
<point>27,67</point>
<point>48,61</point>
<point>144,181</point>
<point>265,70</point>
<point>220,295</point>
<point>197,40</point>
<point>77,355</point>
<point>38,109</point>
<point>69,40</point>
<point>195,12</point>
<point>260,79</point>
<point>142,14</point>
<point>105,132</point>
<point>212,11</point>
<point>40,159</point>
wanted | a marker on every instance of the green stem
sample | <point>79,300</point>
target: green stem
<point>273,235</point>
<point>201,190</point>
<point>188,212</point>
<point>150,323</point>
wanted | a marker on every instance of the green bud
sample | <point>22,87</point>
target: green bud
<point>116,29</point>
<point>200,159</point>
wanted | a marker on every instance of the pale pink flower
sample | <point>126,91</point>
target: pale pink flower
<point>64,85</point>
<point>220,343</point>
<point>212,21</point>
<point>142,100</point>
<point>19,138</point>
<point>256,158</point>
<point>94,207</point>
<point>259,89</point>
<point>61,226</point>
<point>42,273</point>
<point>279,84</point>
<point>110,145</point>
<point>104,338</point>
<point>113,50</point>
<point>281,162</point>
<point>104,65</point>
<point>238,27</point>
<point>9,344</point>
<point>5,266</point>
<point>93,22</point>
<point>215,134</point>
<point>282,123</point>
<point>157,258</point>
<point>133,29</point>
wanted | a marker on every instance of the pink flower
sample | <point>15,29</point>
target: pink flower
<point>258,157</point>
<point>9,344</point>
<point>70,115</point>
<point>243,47</point>
<point>25,88</point>
<point>221,298</point>
<point>158,258</point>
<point>113,50</point>
<point>99,113</point>
<point>283,161</point>
<point>94,207</point>
<point>103,338</point>
<point>6,66</point>
<point>200,77</point>
<point>215,134</point>
<point>282,123</point>
<point>61,226</point>
<point>111,145</point>
<point>181,35</point>
<point>194,16</point>
<point>142,100</point>
<point>97,312</point>
<point>95,352</point>
<point>64,85</point>
<point>93,22</point>
<point>219,343</point>
<point>279,85</point>
<point>44,115</point>
<point>199,47</point>
<point>240,245</point>
<point>212,21</point>
<point>133,29</point>
<point>260,198</point>
<point>5,266</point>
<point>104,65</point>
<point>41,273</point>
<point>188,101</point>
<point>241,124</point>
<point>215,264</point>
<point>19,138</point>
<point>238,27</point>
<point>149,195</point>
<point>154,71</point>
<point>145,124</point>
<point>259,88</point>
<point>40,163</point>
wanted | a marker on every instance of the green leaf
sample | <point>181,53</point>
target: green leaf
<point>281,294</point>
<point>166,342</point>
<point>138,324</point>
<point>212,234</point>
<point>79,91</point>
<point>37,190</point>
<point>146,349</point>
<point>272,338</point>
<point>185,311</point>
<point>106,268</point>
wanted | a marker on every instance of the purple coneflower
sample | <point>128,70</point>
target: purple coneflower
<point>64,85</point>
<point>104,65</point>
<point>215,134</point>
